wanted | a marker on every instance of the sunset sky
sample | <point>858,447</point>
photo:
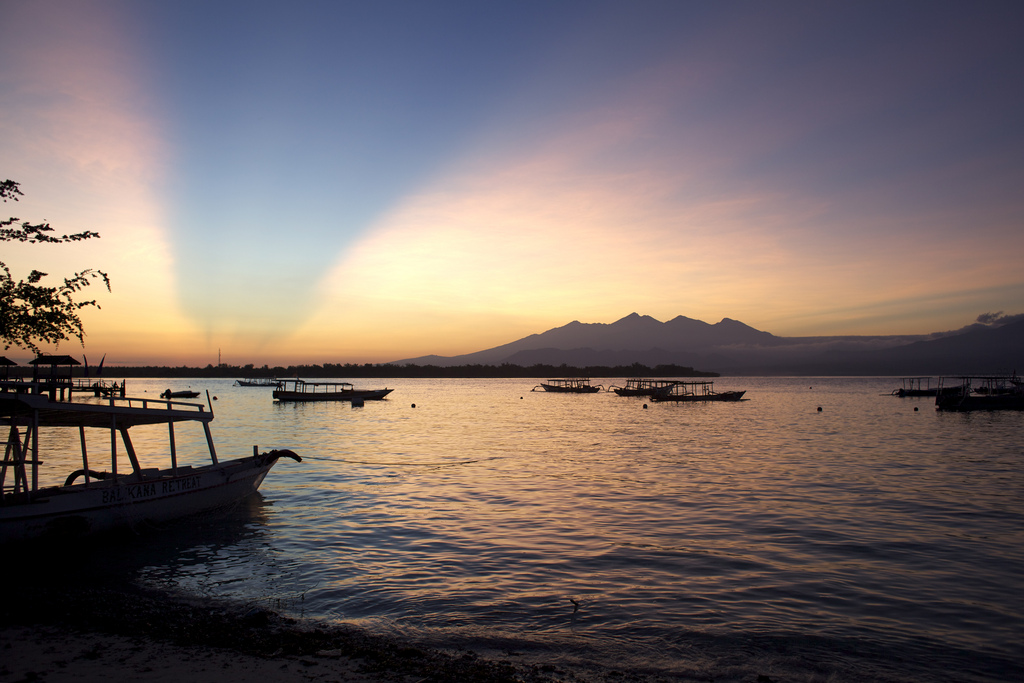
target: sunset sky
<point>314,182</point>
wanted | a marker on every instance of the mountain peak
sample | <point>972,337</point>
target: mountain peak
<point>633,318</point>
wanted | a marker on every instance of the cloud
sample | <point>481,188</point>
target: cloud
<point>998,319</point>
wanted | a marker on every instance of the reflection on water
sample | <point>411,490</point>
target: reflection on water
<point>863,540</point>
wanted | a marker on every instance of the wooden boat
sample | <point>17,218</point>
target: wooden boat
<point>644,387</point>
<point>696,391</point>
<point>179,394</point>
<point>572,385</point>
<point>915,386</point>
<point>90,501</point>
<point>300,390</point>
<point>964,393</point>
<point>258,382</point>
<point>98,387</point>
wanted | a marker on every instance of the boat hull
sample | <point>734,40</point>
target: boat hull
<point>959,402</point>
<point>130,502</point>
<point>721,396</point>
<point>904,393</point>
<point>570,390</point>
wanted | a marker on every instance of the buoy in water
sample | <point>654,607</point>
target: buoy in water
<point>819,409</point>
<point>413,405</point>
<point>645,406</point>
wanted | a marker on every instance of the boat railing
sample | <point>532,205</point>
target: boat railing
<point>698,388</point>
<point>113,413</point>
<point>152,404</point>
<point>979,383</point>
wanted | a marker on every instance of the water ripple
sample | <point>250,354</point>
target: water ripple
<point>867,541</point>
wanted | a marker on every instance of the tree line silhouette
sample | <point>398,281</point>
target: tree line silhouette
<point>389,370</point>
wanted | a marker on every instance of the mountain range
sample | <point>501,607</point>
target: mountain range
<point>731,347</point>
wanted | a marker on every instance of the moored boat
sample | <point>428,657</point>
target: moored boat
<point>91,501</point>
<point>184,393</point>
<point>301,390</point>
<point>915,386</point>
<point>257,382</point>
<point>696,391</point>
<point>571,385</point>
<point>99,387</point>
<point>636,386</point>
<point>1005,392</point>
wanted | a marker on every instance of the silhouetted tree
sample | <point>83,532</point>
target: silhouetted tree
<point>32,313</point>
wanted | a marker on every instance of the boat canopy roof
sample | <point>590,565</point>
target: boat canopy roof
<point>300,384</point>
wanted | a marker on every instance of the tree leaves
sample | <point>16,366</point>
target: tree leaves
<point>32,313</point>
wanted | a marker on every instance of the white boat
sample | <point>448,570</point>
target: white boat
<point>90,501</point>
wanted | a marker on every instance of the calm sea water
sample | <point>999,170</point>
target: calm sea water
<point>873,539</point>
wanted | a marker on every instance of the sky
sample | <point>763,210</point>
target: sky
<point>332,182</point>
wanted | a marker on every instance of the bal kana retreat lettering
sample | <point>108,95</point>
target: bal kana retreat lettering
<point>128,494</point>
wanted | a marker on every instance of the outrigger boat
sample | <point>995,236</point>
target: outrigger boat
<point>258,382</point>
<point>572,385</point>
<point>644,387</point>
<point>696,391</point>
<point>916,386</point>
<point>301,390</point>
<point>980,393</point>
<point>104,501</point>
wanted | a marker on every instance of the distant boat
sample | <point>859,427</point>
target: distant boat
<point>103,501</point>
<point>644,387</point>
<point>301,390</point>
<point>257,382</point>
<point>696,391</point>
<point>572,385</point>
<point>1001,392</point>
<point>179,394</point>
<point>99,387</point>
<point>915,386</point>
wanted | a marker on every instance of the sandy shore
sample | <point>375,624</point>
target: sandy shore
<point>54,632</point>
<point>58,654</point>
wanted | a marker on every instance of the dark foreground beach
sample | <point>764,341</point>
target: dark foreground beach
<point>56,632</point>
<point>59,633</point>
